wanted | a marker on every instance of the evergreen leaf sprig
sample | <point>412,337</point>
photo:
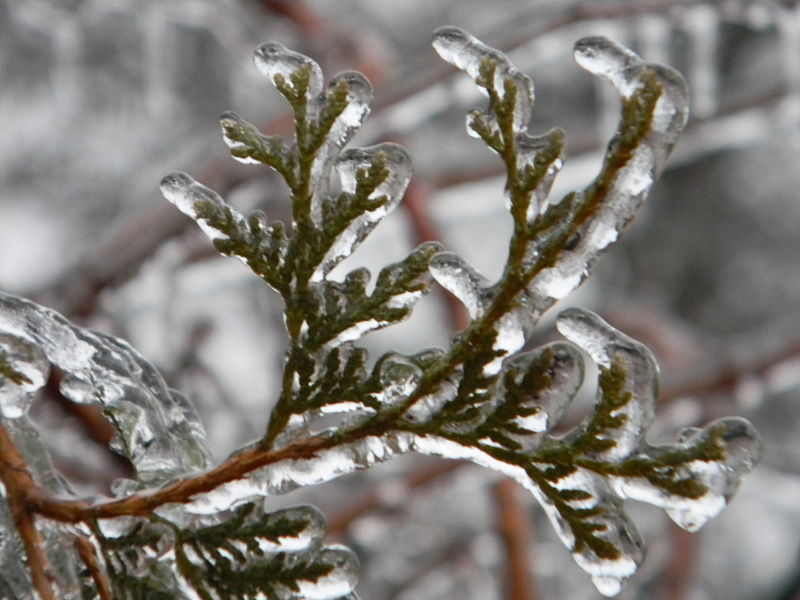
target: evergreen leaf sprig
<point>482,399</point>
<point>182,528</point>
<point>249,553</point>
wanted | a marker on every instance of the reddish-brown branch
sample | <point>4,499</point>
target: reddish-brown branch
<point>236,467</point>
<point>20,489</point>
<point>297,11</point>
<point>374,500</point>
<point>679,574</point>
<point>726,380</point>
<point>89,557</point>
<point>416,206</point>
<point>516,530</point>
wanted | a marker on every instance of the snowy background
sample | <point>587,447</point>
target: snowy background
<point>101,98</point>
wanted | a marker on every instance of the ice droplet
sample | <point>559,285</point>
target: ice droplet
<point>191,197</point>
<point>468,53</point>
<point>340,581</point>
<point>276,60</point>
<point>235,129</point>
<point>609,347</point>
<point>459,278</point>
<point>399,377</point>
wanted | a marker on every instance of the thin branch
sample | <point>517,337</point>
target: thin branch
<point>726,379</point>
<point>89,557</point>
<point>516,530</point>
<point>679,574</point>
<point>20,488</point>
<point>236,467</point>
<point>415,204</point>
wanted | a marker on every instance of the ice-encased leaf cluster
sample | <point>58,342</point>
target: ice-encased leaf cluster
<point>246,554</point>
<point>482,399</point>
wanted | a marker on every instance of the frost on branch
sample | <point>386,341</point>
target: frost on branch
<point>480,399</point>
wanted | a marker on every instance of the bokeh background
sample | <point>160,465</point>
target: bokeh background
<point>101,98</point>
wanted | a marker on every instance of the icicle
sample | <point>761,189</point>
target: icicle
<point>341,580</point>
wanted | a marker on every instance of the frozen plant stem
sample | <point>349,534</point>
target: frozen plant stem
<point>188,529</point>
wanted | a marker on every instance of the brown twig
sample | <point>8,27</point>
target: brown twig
<point>298,12</point>
<point>679,574</point>
<point>415,204</point>
<point>726,379</point>
<point>516,530</point>
<point>89,557</point>
<point>20,488</point>
<point>235,467</point>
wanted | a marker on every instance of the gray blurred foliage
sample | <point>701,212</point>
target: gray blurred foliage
<point>101,98</point>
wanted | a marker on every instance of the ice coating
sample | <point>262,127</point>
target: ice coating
<point>235,129</point>
<point>606,58</point>
<point>30,368</point>
<point>721,477</point>
<point>359,104</point>
<point>529,148</point>
<point>566,376</point>
<point>189,196</point>
<point>230,121</point>
<point>14,574</point>
<point>607,574</point>
<point>608,347</point>
<point>339,582</point>
<point>276,60</point>
<point>156,431</point>
<point>623,187</point>
<point>468,53</point>
<point>462,280</point>
<point>398,163</point>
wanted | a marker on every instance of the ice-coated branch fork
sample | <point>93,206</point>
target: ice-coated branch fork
<point>186,529</point>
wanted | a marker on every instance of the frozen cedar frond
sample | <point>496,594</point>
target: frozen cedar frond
<point>183,528</point>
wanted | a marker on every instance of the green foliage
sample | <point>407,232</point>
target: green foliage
<point>208,534</point>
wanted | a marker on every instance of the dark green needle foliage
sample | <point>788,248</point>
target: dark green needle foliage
<point>482,398</point>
